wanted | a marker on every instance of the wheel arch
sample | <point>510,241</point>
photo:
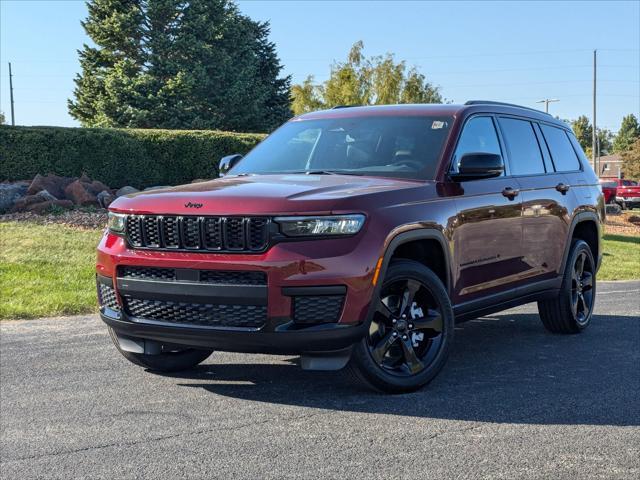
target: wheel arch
<point>585,226</point>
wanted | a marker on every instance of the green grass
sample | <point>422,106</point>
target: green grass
<point>621,259</point>
<point>49,270</point>
<point>46,270</point>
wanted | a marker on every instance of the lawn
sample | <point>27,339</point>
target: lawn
<point>48,270</point>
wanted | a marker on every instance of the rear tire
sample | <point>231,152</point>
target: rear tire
<point>410,335</point>
<point>572,309</point>
<point>169,361</point>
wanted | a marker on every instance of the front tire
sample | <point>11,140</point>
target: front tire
<point>166,361</point>
<point>572,309</point>
<point>410,334</point>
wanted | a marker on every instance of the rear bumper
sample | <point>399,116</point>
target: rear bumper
<point>633,200</point>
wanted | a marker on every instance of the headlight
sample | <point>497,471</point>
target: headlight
<point>116,222</point>
<point>320,226</point>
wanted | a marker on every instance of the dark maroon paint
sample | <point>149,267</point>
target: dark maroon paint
<point>496,251</point>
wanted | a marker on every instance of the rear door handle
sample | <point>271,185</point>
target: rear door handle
<point>563,188</point>
<point>510,193</point>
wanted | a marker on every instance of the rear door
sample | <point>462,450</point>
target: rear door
<point>486,233</point>
<point>545,195</point>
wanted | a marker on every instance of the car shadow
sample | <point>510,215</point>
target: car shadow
<point>502,369</point>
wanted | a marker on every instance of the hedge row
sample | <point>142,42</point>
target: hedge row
<point>117,157</point>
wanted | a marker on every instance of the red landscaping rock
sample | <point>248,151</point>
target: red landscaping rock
<point>97,186</point>
<point>80,194</point>
<point>54,184</point>
<point>24,203</point>
<point>45,207</point>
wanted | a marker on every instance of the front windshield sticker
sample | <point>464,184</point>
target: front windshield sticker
<point>437,125</point>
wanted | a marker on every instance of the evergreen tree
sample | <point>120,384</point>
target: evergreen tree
<point>365,81</point>
<point>629,132</point>
<point>196,64</point>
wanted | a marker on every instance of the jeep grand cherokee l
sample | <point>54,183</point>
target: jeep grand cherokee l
<point>357,237</point>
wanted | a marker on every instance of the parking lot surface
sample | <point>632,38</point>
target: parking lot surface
<point>514,401</point>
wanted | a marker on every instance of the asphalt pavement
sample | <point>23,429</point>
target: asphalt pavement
<point>513,402</point>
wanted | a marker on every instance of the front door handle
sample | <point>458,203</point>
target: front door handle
<point>563,188</point>
<point>510,193</point>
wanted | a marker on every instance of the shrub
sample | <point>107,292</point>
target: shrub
<point>117,157</point>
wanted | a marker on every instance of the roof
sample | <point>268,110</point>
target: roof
<point>431,109</point>
<point>610,158</point>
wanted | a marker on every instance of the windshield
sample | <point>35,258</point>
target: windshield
<point>405,147</point>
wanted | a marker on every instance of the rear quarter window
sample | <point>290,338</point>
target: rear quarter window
<point>562,153</point>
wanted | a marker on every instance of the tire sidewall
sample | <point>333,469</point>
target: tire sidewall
<point>578,247</point>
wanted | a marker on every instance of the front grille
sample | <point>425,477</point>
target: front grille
<point>107,297</point>
<point>233,278</point>
<point>209,315</point>
<point>232,234</point>
<point>317,309</point>
<point>218,277</point>
<point>147,273</point>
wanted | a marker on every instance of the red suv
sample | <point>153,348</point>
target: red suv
<point>358,237</point>
<point>625,193</point>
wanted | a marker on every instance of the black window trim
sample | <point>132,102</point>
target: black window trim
<point>501,144</point>
<point>568,134</point>
<point>531,122</point>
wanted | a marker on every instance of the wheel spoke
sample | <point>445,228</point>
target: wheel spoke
<point>432,321</point>
<point>587,298</point>
<point>587,280</point>
<point>382,347</point>
<point>411,359</point>
<point>580,265</point>
<point>574,303</point>
<point>408,295</point>
<point>382,309</point>
<point>581,301</point>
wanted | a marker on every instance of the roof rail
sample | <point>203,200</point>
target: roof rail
<point>490,102</point>
<point>344,106</point>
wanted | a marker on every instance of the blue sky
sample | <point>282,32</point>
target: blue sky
<point>514,52</point>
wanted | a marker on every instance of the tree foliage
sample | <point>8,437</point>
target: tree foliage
<point>631,160</point>
<point>196,64</point>
<point>629,132</point>
<point>2,119</point>
<point>377,80</point>
<point>583,131</point>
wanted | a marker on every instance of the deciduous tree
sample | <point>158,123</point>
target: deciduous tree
<point>360,80</point>
<point>629,132</point>
<point>631,161</point>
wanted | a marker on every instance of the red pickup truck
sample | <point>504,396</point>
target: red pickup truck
<point>625,193</point>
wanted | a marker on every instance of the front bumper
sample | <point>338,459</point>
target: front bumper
<point>313,269</point>
<point>628,200</point>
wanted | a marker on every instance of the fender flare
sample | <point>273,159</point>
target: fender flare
<point>580,218</point>
<point>419,233</point>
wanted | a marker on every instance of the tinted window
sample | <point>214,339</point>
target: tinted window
<point>629,183</point>
<point>524,152</point>
<point>407,147</point>
<point>562,153</point>
<point>479,136</point>
<point>608,184</point>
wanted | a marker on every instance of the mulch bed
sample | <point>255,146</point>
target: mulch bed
<point>620,224</point>
<point>82,219</point>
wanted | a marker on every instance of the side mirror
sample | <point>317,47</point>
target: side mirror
<point>227,163</point>
<point>475,166</point>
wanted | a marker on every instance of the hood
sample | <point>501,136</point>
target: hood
<point>264,194</point>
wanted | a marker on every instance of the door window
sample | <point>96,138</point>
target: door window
<point>479,136</point>
<point>562,153</point>
<point>525,157</point>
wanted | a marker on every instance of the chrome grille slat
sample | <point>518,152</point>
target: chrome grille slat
<point>198,233</point>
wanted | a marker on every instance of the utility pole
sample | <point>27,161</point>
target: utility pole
<point>13,118</point>
<point>594,138</point>
<point>546,102</point>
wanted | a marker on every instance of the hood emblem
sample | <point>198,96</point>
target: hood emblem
<point>193,205</point>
